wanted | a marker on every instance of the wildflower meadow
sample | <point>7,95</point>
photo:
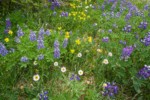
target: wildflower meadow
<point>74,50</point>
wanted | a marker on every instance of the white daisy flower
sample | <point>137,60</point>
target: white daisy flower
<point>35,63</point>
<point>79,55</point>
<point>110,54</point>
<point>63,69</point>
<point>105,61</point>
<point>55,63</point>
<point>36,77</point>
<point>80,72</point>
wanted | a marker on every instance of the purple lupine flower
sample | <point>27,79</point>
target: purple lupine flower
<point>43,95</point>
<point>20,33</point>
<point>65,43</point>
<point>40,57</point>
<point>41,32</point>
<point>143,25</point>
<point>105,39</point>
<point>128,16</point>
<point>24,59</point>
<point>56,49</point>
<point>74,77</point>
<point>3,50</point>
<point>146,40</point>
<point>77,77</point>
<point>8,23</point>
<point>114,5</point>
<point>110,30</point>
<point>40,44</point>
<point>133,9</point>
<point>64,14</point>
<point>56,53</point>
<point>127,28</point>
<point>56,44</point>
<point>48,32</point>
<point>144,73</point>
<point>126,52</point>
<point>54,4</point>
<point>32,36</point>
<point>40,38</point>
<point>110,89</point>
<point>146,7</point>
<point>103,7</point>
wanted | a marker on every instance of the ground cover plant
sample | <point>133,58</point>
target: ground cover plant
<point>74,50</point>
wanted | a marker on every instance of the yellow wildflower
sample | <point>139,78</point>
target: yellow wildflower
<point>90,39</point>
<point>74,13</point>
<point>10,32</point>
<point>73,5</point>
<point>6,39</point>
<point>59,28</point>
<point>72,51</point>
<point>78,42</point>
<point>67,35</point>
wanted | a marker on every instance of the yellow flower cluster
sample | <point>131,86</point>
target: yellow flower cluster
<point>79,15</point>
<point>73,5</point>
